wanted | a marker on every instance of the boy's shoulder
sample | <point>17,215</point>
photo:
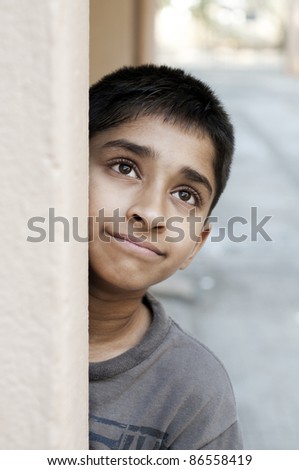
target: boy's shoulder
<point>202,396</point>
<point>185,347</point>
<point>193,352</point>
<point>187,361</point>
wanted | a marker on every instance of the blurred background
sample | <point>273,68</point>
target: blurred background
<point>240,296</point>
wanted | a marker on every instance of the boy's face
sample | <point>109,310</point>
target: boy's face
<point>154,185</point>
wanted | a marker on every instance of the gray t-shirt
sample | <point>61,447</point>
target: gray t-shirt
<point>168,392</point>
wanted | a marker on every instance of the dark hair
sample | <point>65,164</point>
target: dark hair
<point>152,90</point>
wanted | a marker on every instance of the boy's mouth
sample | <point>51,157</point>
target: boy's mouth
<point>138,243</point>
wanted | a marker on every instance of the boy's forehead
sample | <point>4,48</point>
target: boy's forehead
<point>148,128</point>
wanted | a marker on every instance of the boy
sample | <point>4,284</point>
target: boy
<point>160,151</point>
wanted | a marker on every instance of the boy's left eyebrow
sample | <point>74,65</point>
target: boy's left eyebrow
<point>197,177</point>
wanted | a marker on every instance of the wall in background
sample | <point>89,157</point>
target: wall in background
<point>121,33</point>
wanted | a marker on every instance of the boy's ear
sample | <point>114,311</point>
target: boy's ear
<point>199,244</point>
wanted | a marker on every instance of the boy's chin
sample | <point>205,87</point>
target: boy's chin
<point>135,283</point>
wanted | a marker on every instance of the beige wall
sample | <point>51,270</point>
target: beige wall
<point>43,301</point>
<point>293,37</point>
<point>121,33</point>
<point>145,24</point>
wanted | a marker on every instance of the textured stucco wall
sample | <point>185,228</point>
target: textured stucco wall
<point>43,299</point>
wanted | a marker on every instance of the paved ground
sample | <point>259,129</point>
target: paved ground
<point>242,299</point>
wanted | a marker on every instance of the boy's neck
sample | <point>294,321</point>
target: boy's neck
<point>117,323</point>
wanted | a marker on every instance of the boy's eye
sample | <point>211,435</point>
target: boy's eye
<point>187,196</point>
<point>125,168</point>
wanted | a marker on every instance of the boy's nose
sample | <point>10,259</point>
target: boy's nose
<point>149,212</point>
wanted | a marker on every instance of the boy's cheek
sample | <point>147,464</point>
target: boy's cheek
<point>103,197</point>
<point>187,230</point>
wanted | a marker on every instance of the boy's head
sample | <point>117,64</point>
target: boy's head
<point>176,97</point>
<point>160,151</point>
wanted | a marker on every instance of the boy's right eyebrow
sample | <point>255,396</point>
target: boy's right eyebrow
<point>140,150</point>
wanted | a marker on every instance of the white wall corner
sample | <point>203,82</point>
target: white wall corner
<point>44,153</point>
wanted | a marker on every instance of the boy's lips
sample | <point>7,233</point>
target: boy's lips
<point>138,243</point>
